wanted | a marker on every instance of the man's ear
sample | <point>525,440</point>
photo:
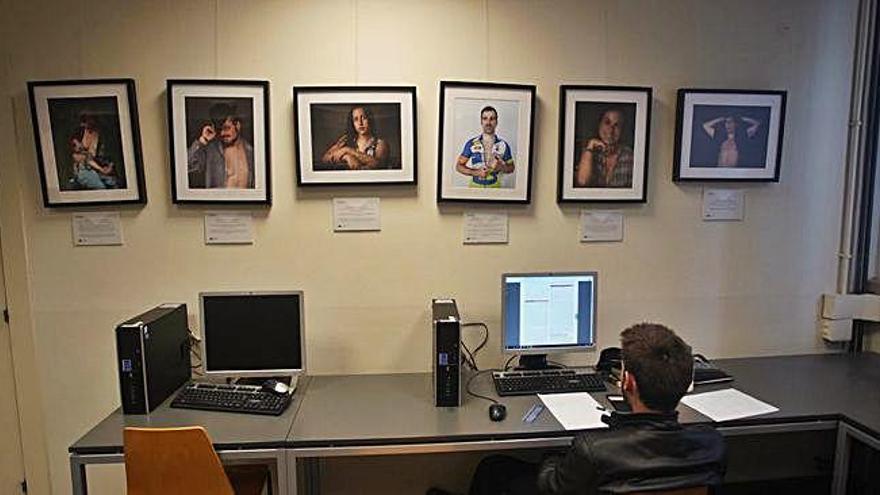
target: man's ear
<point>628,382</point>
<point>238,126</point>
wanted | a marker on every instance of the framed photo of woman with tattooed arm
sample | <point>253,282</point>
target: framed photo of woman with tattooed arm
<point>604,132</point>
<point>355,135</point>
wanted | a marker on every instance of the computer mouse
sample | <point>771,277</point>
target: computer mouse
<point>497,412</point>
<point>276,387</point>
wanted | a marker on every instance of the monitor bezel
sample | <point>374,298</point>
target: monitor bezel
<point>548,349</point>
<point>253,373</point>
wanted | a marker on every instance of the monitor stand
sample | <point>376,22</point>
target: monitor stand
<point>533,362</point>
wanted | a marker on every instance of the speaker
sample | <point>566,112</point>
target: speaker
<point>153,356</point>
<point>445,356</point>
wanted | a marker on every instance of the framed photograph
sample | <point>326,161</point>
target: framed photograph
<point>604,133</point>
<point>88,142</point>
<point>728,135</point>
<point>355,135</point>
<point>485,143</point>
<point>219,137</point>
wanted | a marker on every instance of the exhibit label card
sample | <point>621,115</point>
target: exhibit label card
<point>229,227</point>
<point>485,228</point>
<point>601,226</point>
<point>356,214</point>
<point>97,229</point>
<point>723,204</point>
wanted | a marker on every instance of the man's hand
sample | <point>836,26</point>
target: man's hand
<point>207,135</point>
<point>595,145</point>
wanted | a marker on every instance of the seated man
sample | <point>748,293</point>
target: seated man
<point>644,450</point>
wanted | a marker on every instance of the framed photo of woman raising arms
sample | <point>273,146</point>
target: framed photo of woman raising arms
<point>604,132</point>
<point>728,135</point>
<point>355,135</point>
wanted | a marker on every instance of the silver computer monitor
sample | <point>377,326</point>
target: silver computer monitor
<point>548,312</point>
<point>252,333</point>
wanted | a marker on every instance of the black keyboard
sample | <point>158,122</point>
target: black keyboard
<point>250,399</point>
<point>546,382</point>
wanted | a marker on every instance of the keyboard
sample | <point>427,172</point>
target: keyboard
<point>250,399</point>
<point>546,382</point>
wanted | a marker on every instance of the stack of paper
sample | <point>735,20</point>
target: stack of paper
<point>575,411</point>
<point>727,404</point>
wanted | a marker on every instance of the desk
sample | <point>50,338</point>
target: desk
<point>393,414</point>
<point>237,438</point>
<point>360,415</point>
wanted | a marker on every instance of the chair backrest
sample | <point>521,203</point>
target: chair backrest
<point>171,461</point>
<point>695,490</point>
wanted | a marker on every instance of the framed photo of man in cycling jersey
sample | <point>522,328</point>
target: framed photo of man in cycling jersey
<point>485,142</point>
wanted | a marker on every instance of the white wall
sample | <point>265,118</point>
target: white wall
<point>731,289</point>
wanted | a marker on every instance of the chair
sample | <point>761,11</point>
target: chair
<point>696,490</point>
<point>170,461</point>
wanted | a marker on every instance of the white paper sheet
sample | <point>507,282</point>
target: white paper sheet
<point>354,214</point>
<point>575,410</point>
<point>597,226</point>
<point>727,404</point>
<point>723,204</point>
<point>96,229</point>
<point>485,228</point>
<point>229,227</point>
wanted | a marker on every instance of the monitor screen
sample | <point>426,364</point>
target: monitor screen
<point>252,333</point>
<point>546,312</point>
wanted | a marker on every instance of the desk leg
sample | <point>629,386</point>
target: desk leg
<point>841,461</point>
<point>280,476</point>
<point>309,471</point>
<point>78,476</point>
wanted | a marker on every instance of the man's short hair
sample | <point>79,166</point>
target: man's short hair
<point>489,108</point>
<point>219,112</point>
<point>661,362</point>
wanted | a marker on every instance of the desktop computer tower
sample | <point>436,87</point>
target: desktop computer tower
<point>445,355</point>
<point>153,356</point>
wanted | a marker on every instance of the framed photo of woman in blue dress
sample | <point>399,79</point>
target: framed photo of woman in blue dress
<point>729,135</point>
<point>88,142</point>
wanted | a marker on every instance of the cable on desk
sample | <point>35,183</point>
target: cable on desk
<point>470,392</point>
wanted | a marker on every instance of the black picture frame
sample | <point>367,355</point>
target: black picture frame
<point>462,105</point>
<point>622,114</point>
<point>88,142</point>
<point>236,111</point>
<point>740,135</point>
<point>326,139</point>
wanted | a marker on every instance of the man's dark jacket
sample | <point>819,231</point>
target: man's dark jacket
<point>639,452</point>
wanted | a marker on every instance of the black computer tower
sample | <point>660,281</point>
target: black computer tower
<point>153,356</point>
<point>445,355</point>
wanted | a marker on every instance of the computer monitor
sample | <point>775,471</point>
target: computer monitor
<point>547,312</point>
<point>252,334</point>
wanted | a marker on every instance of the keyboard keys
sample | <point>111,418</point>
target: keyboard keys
<point>231,398</point>
<point>546,381</point>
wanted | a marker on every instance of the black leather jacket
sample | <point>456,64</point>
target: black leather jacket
<point>639,452</point>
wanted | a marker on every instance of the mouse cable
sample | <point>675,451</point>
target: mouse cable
<point>507,364</point>
<point>467,387</point>
<point>468,357</point>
